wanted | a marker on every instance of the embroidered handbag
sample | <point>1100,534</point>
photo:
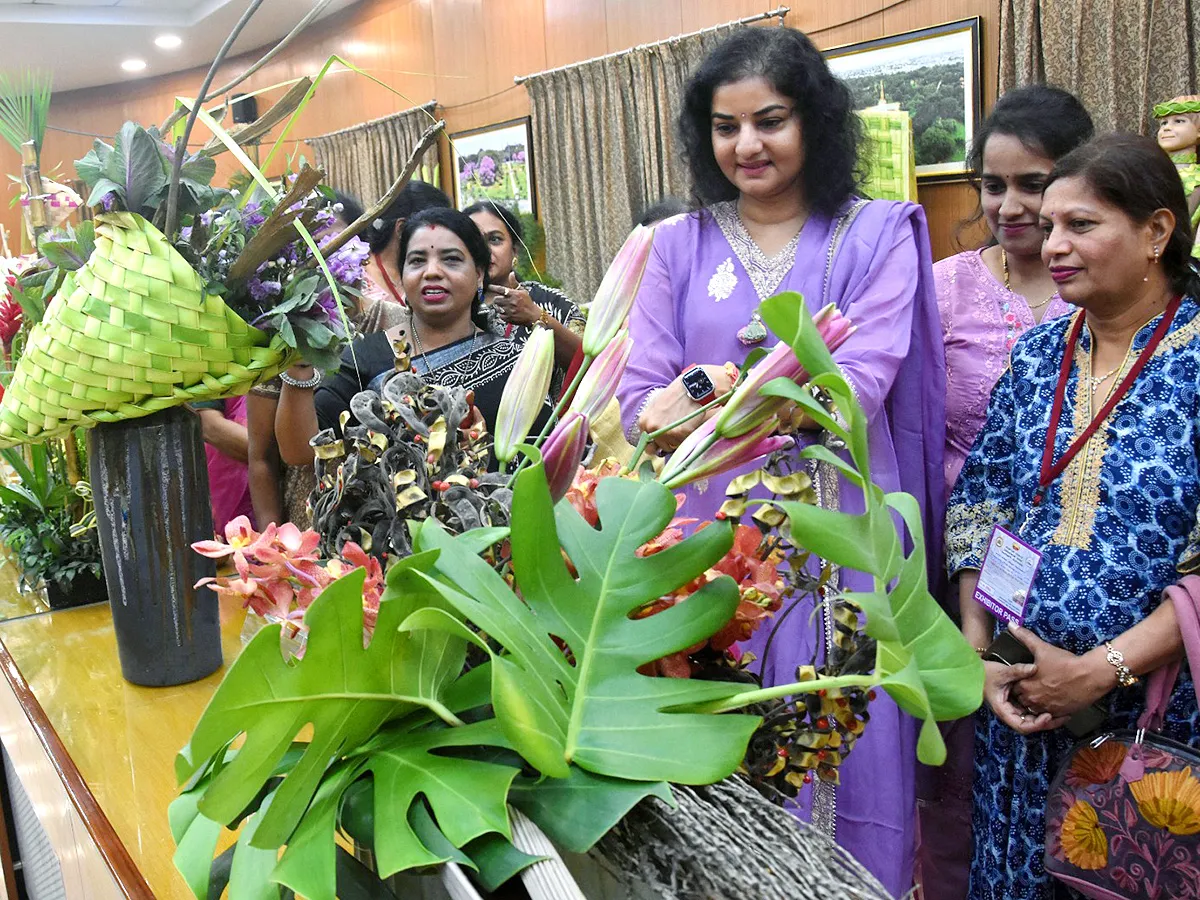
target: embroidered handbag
<point>1123,813</point>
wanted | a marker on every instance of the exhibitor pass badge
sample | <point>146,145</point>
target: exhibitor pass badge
<point>1006,576</point>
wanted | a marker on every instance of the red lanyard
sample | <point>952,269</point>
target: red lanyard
<point>396,295</point>
<point>1052,471</point>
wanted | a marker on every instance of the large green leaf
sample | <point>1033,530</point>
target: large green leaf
<point>592,707</point>
<point>344,690</point>
<point>576,811</point>
<point>922,660</point>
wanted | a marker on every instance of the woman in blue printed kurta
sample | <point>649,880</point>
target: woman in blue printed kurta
<point>1116,527</point>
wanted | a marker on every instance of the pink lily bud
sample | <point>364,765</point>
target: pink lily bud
<point>746,409</point>
<point>613,300</point>
<point>524,393</point>
<point>563,451</point>
<point>722,454</point>
<point>599,384</point>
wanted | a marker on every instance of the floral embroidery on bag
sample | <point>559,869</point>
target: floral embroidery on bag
<point>1112,834</point>
<point>721,285</point>
<point>1083,841</point>
<point>1169,800</point>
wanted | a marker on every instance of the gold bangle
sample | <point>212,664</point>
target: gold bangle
<point>981,650</point>
<point>1116,659</point>
<point>544,318</point>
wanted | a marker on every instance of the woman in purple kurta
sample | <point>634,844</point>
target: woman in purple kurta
<point>707,273</point>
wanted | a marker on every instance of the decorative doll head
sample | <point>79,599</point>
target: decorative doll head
<point>1179,123</point>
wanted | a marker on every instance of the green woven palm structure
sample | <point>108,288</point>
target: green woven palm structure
<point>1176,108</point>
<point>130,334</point>
<point>891,172</point>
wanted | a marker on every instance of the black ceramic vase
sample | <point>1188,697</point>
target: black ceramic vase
<point>150,480</point>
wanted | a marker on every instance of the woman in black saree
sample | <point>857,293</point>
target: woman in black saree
<point>443,264</point>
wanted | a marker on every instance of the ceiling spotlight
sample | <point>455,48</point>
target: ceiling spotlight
<point>133,65</point>
<point>168,41</point>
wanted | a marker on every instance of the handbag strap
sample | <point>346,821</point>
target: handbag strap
<point>1161,684</point>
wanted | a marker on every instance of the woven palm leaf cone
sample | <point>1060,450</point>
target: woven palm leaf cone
<point>130,334</point>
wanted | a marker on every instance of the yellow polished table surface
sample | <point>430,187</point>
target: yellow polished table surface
<point>122,738</point>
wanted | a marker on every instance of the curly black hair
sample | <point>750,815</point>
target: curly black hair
<point>791,63</point>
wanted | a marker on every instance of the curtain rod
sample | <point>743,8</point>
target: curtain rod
<point>778,13</point>
<point>427,105</point>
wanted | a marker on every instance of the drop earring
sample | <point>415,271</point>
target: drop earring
<point>1154,262</point>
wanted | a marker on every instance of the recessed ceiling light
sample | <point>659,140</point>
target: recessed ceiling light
<point>133,65</point>
<point>168,41</point>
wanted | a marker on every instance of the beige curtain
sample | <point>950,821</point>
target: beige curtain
<point>366,159</point>
<point>605,148</point>
<point>1120,57</point>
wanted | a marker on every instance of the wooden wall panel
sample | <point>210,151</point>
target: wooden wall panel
<point>465,53</point>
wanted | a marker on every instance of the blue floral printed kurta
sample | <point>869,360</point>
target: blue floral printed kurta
<point>1115,529</point>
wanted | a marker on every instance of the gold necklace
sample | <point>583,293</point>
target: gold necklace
<point>1008,287</point>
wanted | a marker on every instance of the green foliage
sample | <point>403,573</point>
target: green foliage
<point>24,106</point>
<point>134,174</point>
<point>387,715</point>
<point>36,518</point>
<point>922,660</point>
<point>68,248</point>
<point>420,760</point>
<point>599,712</point>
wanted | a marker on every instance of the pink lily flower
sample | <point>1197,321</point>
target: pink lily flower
<point>614,298</point>
<point>709,455</point>
<point>563,451</point>
<point>599,384</point>
<point>525,393</point>
<point>746,409</point>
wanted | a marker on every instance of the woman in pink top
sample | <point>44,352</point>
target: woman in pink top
<point>987,299</point>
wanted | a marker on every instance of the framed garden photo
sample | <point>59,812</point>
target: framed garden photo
<point>933,75</point>
<point>494,163</point>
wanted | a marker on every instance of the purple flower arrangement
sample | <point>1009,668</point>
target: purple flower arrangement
<point>253,256</point>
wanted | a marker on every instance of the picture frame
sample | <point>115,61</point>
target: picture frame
<point>931,73</point>
<point>495,163</point>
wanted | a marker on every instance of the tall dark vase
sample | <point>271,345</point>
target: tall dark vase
<point>150,480</point>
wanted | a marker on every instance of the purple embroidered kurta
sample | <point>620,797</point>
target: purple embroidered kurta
<point>981,320</point>
<point>704,280</point>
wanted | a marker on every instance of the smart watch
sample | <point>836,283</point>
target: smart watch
<point>698,385</point>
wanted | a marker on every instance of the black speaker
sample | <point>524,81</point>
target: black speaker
<point>245,109</point>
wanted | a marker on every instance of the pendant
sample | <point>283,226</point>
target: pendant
<point>753,332</point>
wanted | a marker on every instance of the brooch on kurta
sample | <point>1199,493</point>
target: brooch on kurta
<point>723,282</point>
<point>753,332</point>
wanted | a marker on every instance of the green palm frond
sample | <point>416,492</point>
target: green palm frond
<point>24,105</point>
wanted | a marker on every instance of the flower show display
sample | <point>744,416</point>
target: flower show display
<point>521,657</point>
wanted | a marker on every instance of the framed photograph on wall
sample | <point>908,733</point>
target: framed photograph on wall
<point>933,75</point>
<point>495,163</point>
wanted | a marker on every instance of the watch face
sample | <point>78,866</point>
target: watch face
<point>697,383</point>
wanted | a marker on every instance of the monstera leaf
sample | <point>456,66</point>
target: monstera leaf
<point>566,689</point>
<point>922,659</point>
<point>344,690</point>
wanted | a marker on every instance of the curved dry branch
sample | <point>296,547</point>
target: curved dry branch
<point>172,220</point>
<point>428,139</point>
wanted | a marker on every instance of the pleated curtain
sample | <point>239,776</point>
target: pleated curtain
<point>605,148</point>
<point>366,159</point>
<point>1120,57</point>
